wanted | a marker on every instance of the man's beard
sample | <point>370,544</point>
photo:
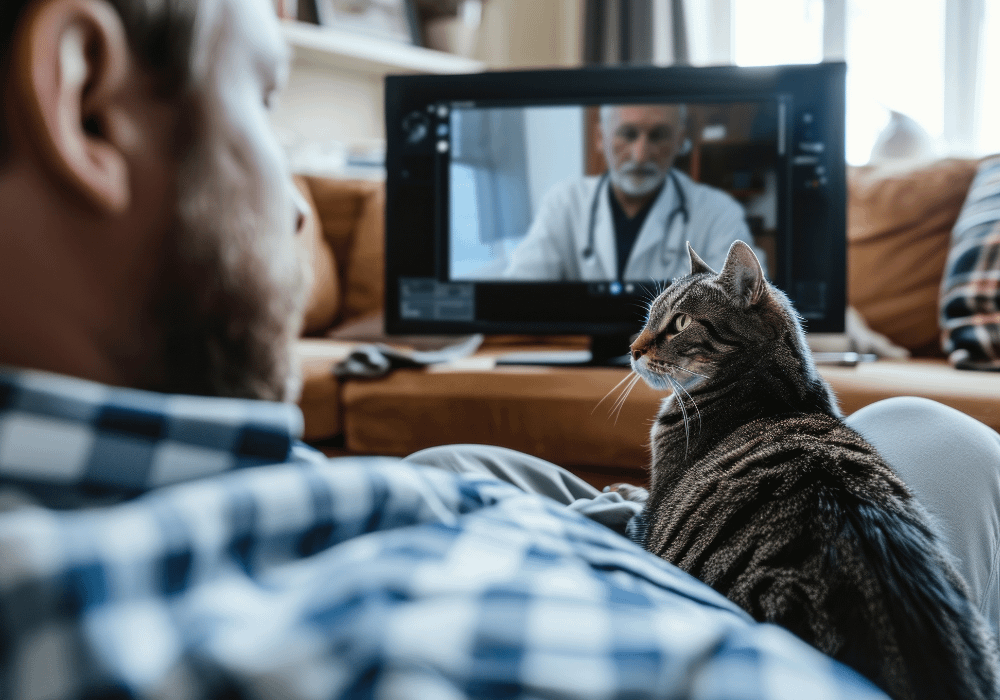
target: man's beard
<point>638,180</point>
<point>233,285</point>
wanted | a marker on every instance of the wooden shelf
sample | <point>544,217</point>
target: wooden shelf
<point>340,50</point>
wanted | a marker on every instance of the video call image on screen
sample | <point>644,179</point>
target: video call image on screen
<point>610,192</point>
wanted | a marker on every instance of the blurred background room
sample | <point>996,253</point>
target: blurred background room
<point>922,74</point>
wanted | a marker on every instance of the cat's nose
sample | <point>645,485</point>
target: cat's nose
<point>640,346</point>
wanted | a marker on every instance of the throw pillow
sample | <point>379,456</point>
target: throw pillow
<point>970,290</point>
<point>899,219</point>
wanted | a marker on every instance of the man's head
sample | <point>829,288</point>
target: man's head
<point>640,143</point>
<point>149,216</point>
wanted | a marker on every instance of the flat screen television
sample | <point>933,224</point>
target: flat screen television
<point>559,201</point>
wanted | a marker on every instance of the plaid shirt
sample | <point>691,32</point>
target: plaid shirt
<point>357,577</point>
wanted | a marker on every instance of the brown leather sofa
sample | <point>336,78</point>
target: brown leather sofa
<point>899,223</point>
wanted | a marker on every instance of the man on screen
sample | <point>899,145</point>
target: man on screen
<point>631,223</point>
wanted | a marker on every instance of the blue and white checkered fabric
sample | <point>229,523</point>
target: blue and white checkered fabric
<point>57,430</point>
<point>363,578</point>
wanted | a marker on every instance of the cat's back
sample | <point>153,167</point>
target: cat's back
<point>801,522</point>
<point>770,479</point>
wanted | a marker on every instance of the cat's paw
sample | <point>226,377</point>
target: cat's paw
<point>636,494</point>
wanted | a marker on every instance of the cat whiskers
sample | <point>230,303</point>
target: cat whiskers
<point>689,371</point>
<point>625,379</point>
<point>624,395</point>
<point>679,393</point>
<point>616,408</point>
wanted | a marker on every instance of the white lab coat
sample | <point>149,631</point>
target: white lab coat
<point>554,247</point>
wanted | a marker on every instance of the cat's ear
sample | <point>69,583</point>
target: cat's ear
<point>742,275</point>
<point>697,264</point>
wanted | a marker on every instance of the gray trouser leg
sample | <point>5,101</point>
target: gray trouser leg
<point>949,460</point>
<point>952,464</point>
<point>533,475</point>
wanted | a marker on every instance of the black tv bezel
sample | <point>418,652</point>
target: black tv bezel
<point>817,89</point>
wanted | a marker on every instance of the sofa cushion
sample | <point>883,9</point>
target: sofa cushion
<point>899,227</point>
<point>554,413</point>
<point>324,295</point>
<point>352,216</point>
<point>970,291</point>
<point>320,399</point>
<point>558,414</point>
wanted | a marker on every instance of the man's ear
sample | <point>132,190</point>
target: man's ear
<point>70,65</point>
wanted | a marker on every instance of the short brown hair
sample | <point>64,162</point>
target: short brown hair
<point>159,31</point>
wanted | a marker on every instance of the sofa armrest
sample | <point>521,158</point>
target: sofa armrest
<point>351,216</point>
<point>323,302</point>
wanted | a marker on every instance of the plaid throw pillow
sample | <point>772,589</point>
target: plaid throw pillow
<point>970,289</point>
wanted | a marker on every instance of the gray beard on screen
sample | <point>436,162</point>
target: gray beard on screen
<point>638,180</point>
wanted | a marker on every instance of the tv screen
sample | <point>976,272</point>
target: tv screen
<point>560,201</point>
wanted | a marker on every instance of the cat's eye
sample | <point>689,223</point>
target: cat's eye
<point>674,324</point>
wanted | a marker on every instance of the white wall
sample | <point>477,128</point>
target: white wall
<point>321,103</point>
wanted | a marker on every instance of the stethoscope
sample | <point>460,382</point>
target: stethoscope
<point>679,209</point>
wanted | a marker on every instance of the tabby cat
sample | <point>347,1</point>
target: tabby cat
<point>759,489</point>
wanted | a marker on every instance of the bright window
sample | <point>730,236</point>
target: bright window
<point>778,31</point>
<point>988,122</point>
<point>894,51</point>
<point>895,59</point>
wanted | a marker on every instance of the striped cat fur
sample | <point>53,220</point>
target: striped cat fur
<point>760,490</point>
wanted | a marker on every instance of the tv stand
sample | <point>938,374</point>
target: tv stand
<point>605,351</point>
